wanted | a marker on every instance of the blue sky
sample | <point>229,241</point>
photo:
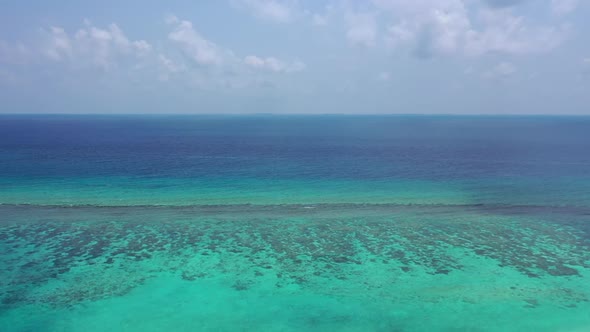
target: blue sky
<point>296,56</point>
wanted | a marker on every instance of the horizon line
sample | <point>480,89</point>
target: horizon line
<point>299,114</point>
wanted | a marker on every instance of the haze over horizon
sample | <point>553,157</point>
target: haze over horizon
<point>296,56</point>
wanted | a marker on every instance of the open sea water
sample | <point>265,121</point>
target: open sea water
<point>294,223</point>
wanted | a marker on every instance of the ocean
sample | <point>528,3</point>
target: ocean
<point>294,223</point>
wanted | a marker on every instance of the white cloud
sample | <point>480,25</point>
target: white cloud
<point>59,45</point>
<point>451,27</point>
<point>206,53</point>
<point>171,19</point>
<point>273,64</point>
<point>100,47</point>
<point>142,47</point>
<point>199,49</point>
<point>271,10</point>
<point>224,68</point>
<point>109,47</point>
<point>564,7</point>
<point>501,70</point>
<point>169,67</point>
<point>505,33</point>
<point>362,29</point>
<point>427,25</point>
<point>400,34</point>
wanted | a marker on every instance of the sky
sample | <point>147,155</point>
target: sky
<point>295,56</point>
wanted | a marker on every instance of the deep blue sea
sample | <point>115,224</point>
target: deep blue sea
<point>294,223</point>
<point>286,159</point>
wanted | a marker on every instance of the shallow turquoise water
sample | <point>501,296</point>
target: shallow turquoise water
<point>296,267</point>
<point>294,223</point>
